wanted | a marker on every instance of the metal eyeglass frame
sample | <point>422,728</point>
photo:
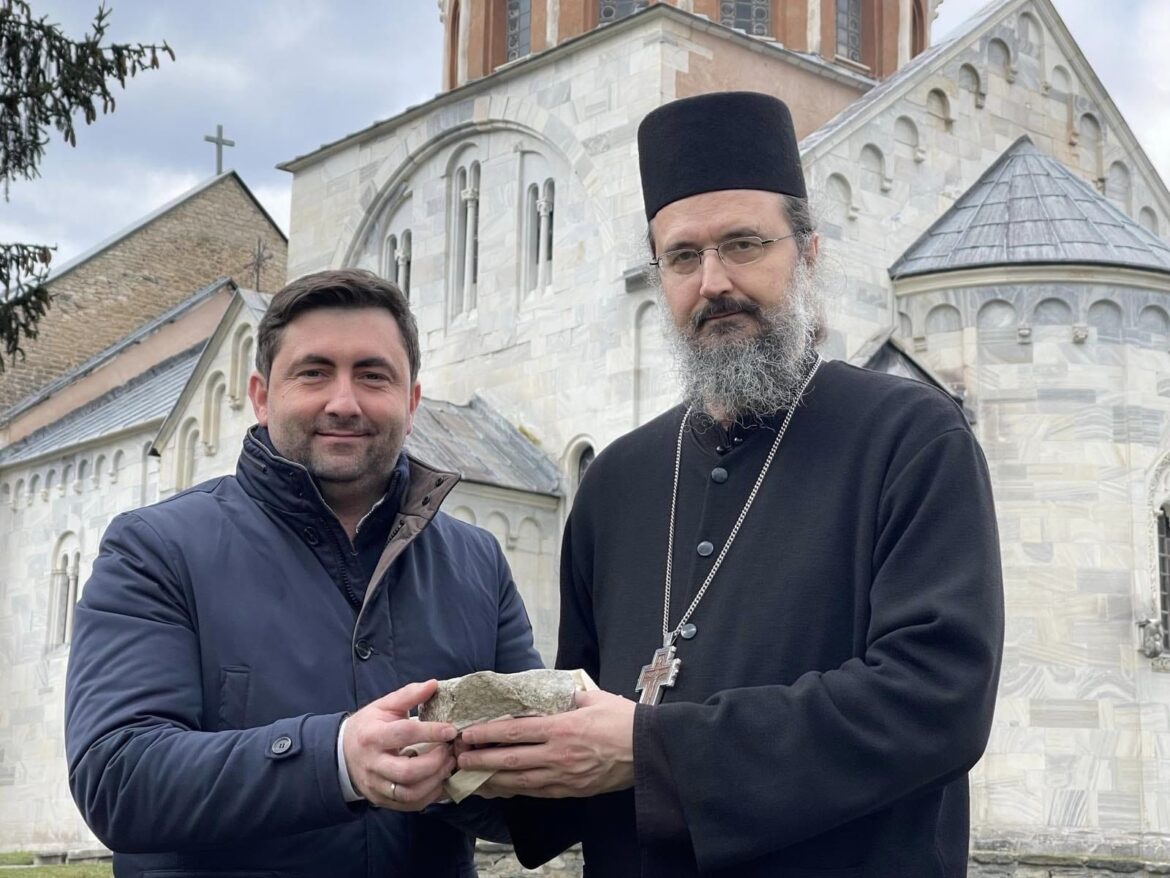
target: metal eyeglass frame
<point>718,248</point>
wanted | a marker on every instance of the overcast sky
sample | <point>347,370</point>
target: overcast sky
<point>284,77</point>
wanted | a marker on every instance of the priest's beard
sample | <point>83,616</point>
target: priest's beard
<point>736,377</point>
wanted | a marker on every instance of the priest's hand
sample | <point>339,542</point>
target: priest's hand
<point>373,741</point>
<point>582,752</point>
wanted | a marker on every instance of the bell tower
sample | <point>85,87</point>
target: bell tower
<point>871,37</point>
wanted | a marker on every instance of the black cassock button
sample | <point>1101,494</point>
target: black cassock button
<point>688,631</point>
<point>738,440</point>
<point>363,650</point>
<point>705,548</point>
<point>719,475</point>
<point>719,449</point>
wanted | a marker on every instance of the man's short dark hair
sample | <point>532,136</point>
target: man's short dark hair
<point>337,288</point>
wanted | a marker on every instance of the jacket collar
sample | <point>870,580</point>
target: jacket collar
<point>280,483</point>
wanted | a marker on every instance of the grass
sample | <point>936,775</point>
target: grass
<point>16,858</point>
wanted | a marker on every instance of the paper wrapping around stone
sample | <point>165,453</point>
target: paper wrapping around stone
<point>487,695</point>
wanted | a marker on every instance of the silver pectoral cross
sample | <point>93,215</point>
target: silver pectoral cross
<point>660,673</point>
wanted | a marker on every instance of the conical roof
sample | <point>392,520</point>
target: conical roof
<point>1029,209</point>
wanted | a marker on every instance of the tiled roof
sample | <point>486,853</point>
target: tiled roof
<point>143,399</point>
<point>1029,209</point>
<point>476,441</point>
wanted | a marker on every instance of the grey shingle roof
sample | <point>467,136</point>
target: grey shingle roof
<point>140,400</point>
<point>1029,209</point>
<point>476,441</point>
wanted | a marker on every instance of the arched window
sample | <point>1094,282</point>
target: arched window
<point>464,238</point>
<point>584,461</point>
<point>1164,576</point>
<point>185,455</point>
<point>63,585</point>
<point>518,25</point>
<point>213,397</point>
<point>751,16</point>
<point>849,30</point>
<point>241,367</point>
<point>545,208</point>
<point>531,238</point>
<point>612,10</point>
<point>918,29</point>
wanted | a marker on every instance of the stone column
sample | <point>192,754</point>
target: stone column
<point>544,242</point>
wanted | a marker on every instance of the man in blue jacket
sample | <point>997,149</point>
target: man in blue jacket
<point>227,708</point>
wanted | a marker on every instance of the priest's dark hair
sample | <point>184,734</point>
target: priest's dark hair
<point>337,288</point>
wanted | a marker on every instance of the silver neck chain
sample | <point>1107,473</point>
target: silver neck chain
<point>669,636</point>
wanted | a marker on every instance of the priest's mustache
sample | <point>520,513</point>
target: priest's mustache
<point>721,307</point>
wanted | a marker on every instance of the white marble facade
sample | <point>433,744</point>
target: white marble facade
<point>547,317</point>
<point>1073,417</point>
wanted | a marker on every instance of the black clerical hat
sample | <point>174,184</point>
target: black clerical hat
<point>723,140</point>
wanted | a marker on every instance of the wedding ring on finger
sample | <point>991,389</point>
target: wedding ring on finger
<point>393,791</point>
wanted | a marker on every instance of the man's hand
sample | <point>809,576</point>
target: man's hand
<point>583,752</point>
<point>373,739</point>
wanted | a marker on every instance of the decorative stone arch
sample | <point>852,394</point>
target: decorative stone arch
<point>529,535</point>
<point>943,318</point>
<point>18,493</point>
<point>99,470</point>
<point>214,392</point>
<point>970,81</point>
<point>243,345</point>
<point>82,475</point>
<point>1148,220</point>
<point>1030,37</point>
<point>938,107</point>
<point>116,466</point>
<point>50,482</point>
<point>1060,81</point>
<point>906,139</point>
<point>839,199</point>
<point>997,314</point>
<point>1119,186</point>
<point>874,168</point>
<point>1154,319</point>
<point>1089,141</point>
<point>1052,311</point>
<point>464,513</point>
<point>5,494</point>
<point>497,525</point>
<point>1106,316</point>
<point>504,113</point>
<point>185,454</point>
<point>34,487</point>
<point>579,454</point>
<point>1002,57</point>
<point>64,588</point>
<point>66,479</point>
<point>905,326</point>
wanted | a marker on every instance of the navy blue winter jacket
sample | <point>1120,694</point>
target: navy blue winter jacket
<point>223,636</point>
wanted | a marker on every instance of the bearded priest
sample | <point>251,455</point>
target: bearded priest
<point>789,585</point>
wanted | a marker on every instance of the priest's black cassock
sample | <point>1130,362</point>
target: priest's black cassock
<point>842,678</point>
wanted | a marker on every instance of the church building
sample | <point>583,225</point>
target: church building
<point>989,224</point>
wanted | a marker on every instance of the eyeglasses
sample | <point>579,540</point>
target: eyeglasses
<point>733,251</point>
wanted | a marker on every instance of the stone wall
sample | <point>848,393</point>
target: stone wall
<point>105,298</point>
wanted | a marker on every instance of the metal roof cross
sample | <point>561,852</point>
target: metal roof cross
<point>220,142</point>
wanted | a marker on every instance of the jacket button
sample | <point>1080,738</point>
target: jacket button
<point>705,548</point>
<point>719,475</point>
<point>281,744</point>
<point>363,650</point>
<point>737,440</point>
<point>311,536</point>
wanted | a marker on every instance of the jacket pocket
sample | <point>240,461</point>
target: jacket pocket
<point>233,705</point>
